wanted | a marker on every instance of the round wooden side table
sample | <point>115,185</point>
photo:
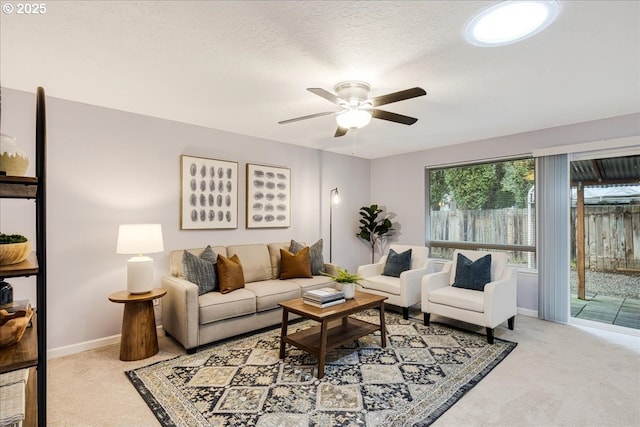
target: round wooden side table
<point>139,338</point>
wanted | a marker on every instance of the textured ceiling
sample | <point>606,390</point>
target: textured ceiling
<point>242,66</point>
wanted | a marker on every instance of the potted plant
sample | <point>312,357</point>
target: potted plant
<point>373,228</point>
<point>347,280</point>
<point>14,248</point>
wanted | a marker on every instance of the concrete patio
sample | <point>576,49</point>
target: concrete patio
<point>614,310</point>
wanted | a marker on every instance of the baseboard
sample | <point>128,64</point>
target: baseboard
<point>115,339</point>
<point>528,312</point>
<point>87,345</point>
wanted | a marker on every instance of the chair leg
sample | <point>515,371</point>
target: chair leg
<point>405,313</point>
<point>511,322</point>
<point>490,335</point>
<point>192,350</point>
<point>426,318</point>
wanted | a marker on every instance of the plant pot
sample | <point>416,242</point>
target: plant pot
<point>349,290</point>
<point>13,253</point>
<point>13,161</point>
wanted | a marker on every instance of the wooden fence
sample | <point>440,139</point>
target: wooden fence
<point>497,226</point>
<point>612,237</point>
<point>612,233</point>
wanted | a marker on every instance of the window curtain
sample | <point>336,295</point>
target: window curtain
<point>553,199</point>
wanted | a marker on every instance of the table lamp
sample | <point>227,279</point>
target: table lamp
<point>139,239</point>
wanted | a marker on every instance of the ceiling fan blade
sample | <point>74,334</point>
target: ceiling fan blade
<point>326,95</point>
<point>310,116</point>
<point>393,117</point>
<point>340,132</point>
<point>397,96</point>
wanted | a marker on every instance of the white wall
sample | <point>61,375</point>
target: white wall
<point>108,167</point>
<point>399,180</point>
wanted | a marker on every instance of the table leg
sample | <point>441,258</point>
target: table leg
<point>323,348</point>
<point>283,331</point>
<point>139,337</point>
<point>383,328</point>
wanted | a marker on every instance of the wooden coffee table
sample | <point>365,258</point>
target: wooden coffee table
<point>336,327</point>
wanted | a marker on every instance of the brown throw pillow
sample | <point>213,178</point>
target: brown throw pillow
<point>230,276</point>
<point>297,265</point>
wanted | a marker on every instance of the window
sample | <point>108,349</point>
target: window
<point>486,206</point>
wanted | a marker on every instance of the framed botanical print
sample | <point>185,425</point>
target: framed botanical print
<point>209,193</point>
<point>268,196</point>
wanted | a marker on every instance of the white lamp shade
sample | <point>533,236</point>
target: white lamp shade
<point>353,119</point>
<point>140,239</point>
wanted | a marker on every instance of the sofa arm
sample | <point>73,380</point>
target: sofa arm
<point>370,270</point>
<point>180,311</point>
<point>331,269</point>
<point>410,287</point>
<point>500,299</point>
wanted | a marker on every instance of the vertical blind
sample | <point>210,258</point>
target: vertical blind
<point>553,198</point>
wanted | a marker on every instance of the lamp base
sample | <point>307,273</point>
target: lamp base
<point>139,275</point>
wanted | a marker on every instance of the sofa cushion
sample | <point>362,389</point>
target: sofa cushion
<point>464,299</point>
<point>270,292</point>
<point>295,265</point>
<point>256,263</point>
<point>314,282</point>
<point>201,270</point>
<point>388,284</point>
<point>472,274</point>
<point>274,255</point>
<point>230,275</point>
<point>396,263</point>
<point>215,306</point>
<point>315,255</point>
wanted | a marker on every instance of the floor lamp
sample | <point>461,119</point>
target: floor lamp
<point>335,200</point>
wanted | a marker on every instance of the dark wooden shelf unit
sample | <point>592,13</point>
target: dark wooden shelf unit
<point>31,351</point>
<point>18,187</point>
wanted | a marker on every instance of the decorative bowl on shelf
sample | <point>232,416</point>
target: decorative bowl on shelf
<point>12,326</point>
<point>13,253</point>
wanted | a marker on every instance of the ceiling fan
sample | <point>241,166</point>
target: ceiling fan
<point>357,109</point>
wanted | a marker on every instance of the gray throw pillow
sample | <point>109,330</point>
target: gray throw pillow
<point>315,255</point>
<point>397,263</point>
<point>473,275</point>
<point>201,270</point>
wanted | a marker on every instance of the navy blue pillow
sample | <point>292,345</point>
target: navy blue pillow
<point>473,274</point>
<point>397,263</point>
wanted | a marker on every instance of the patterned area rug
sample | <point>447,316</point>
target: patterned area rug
<point>421,373</point>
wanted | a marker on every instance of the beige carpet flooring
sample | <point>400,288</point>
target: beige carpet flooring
<point>558,375</point>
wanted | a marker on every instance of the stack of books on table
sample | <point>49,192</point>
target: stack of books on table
<point>325,297</point>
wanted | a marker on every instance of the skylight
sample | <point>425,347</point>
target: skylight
<point>510,21</point>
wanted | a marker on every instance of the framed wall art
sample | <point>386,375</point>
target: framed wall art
<point>268,196</point>
<point>209,193</point>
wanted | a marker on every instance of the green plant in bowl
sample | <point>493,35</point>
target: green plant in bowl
<point>14,248</point>
<point>343,276</point>
<point>11,238</point>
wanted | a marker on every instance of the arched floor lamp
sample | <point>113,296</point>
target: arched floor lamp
<point>335,201</point>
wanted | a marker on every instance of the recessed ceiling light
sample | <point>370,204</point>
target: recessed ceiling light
<point>510,21</point>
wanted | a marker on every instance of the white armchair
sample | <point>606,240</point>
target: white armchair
<point>488,308</point>
<point>403,291</point>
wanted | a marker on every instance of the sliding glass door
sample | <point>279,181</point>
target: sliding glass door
<point>605,240</point>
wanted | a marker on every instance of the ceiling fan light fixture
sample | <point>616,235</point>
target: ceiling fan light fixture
<point>353,119</point>
<point>510,21</point>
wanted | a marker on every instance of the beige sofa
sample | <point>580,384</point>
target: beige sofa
<point>198,320</point>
